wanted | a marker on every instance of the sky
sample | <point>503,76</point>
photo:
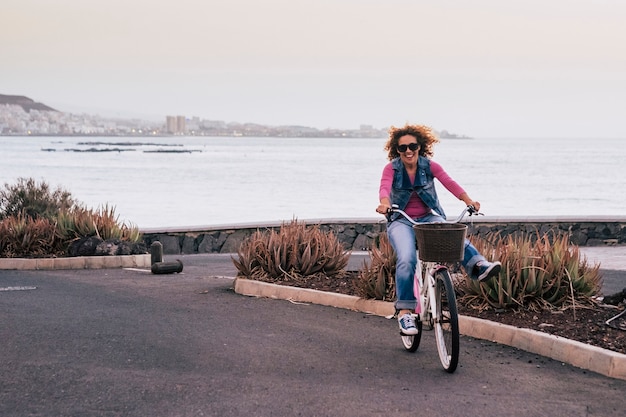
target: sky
<point>482,68</point>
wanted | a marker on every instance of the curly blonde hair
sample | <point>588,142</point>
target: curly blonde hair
<point>424,135</point>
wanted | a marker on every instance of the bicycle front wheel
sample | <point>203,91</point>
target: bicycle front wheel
<point>446,321</point>
<point>410,342</point>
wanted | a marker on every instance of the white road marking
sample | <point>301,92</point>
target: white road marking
<point>17,288</point>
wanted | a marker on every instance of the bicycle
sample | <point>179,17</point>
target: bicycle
<point>437,243</point>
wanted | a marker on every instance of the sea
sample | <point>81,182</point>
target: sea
<point>171,182</point>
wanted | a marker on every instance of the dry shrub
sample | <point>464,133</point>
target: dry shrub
<point>33,199</point>
<point>293,252</point>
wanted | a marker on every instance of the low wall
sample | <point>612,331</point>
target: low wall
<point>359,234</point>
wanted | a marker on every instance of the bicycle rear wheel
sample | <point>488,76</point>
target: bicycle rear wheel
<point>447,321</point>
<point>412,342</point>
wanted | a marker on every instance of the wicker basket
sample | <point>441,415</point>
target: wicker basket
<point>440,242</point>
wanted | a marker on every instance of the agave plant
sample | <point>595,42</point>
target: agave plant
<point>82,222</point>
<point>537,271</point>
<point>376,280</point>
<point>106,222</point>
<point>293,252</point>
<point>22,236</point>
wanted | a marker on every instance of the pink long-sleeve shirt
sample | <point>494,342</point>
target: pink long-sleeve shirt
<point>416,207</point>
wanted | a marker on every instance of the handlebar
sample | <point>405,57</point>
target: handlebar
<point>469,210</point>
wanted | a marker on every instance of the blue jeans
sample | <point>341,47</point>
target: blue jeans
<point>402,239</point>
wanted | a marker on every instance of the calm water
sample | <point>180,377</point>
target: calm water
<point>241,180</point>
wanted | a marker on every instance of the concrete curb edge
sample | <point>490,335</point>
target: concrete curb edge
<point>601,361</point>
<point>79,262</point>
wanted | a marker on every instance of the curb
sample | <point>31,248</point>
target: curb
<point>581,355</point>
<point>79,262</point>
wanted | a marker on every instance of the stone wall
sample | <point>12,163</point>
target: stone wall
<point>358,235</point>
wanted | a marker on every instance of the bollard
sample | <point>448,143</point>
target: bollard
<point>167,267</point>
<point>156,252</point>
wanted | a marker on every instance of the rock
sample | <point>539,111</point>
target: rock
<point>615,299</point>
<point>113,247</point>
<point>95,246</point>
<point>85,246</point>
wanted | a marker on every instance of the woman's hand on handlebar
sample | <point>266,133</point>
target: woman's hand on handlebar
<point>475,205</point>
<point>383,208</point>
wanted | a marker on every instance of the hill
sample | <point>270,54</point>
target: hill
<point>26,103</point>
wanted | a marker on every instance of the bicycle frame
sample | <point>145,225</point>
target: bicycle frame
<point>436,304</point>
<point>424,288</point>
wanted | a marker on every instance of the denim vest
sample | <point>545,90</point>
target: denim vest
<point>424,186</point>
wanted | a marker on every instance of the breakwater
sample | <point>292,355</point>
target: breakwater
<point>360,234</point>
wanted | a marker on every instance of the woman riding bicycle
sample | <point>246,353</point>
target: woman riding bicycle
<point>408,182</point>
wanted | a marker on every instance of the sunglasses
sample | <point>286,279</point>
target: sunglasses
<point>411,146</point>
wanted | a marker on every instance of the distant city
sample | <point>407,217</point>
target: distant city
<point>22,116</point>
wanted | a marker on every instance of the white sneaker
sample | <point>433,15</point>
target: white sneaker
<point>487,269</point>
<point>407,324</point>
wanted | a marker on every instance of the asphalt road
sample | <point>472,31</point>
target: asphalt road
<point>130,343</point>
